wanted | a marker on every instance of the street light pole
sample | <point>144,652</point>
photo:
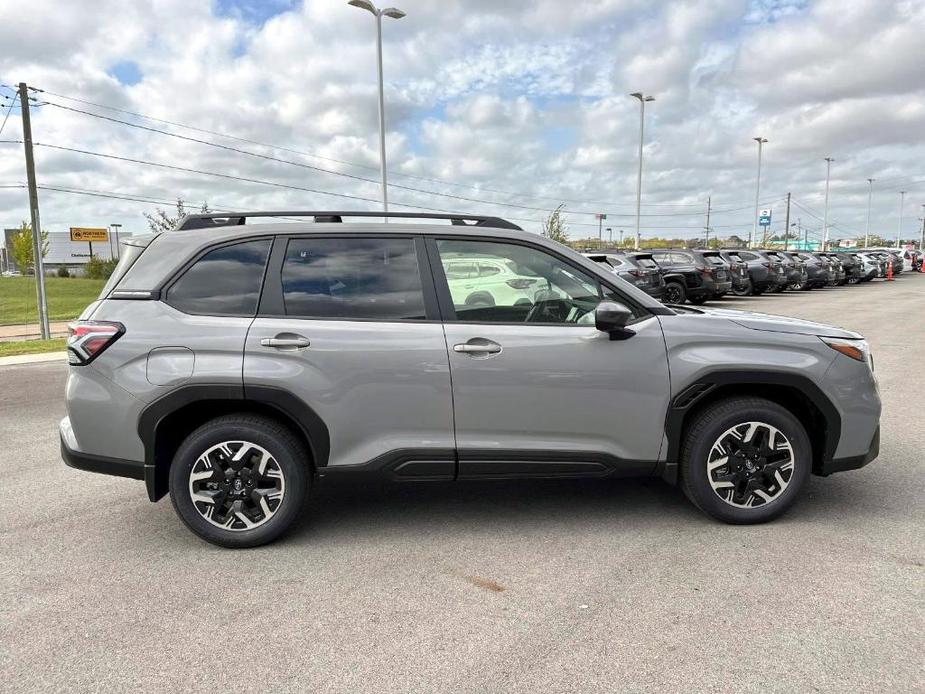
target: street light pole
<point>754,234</point>
<point>394,13</point>
<point>899,231</point>
<point>642,128</point>
<point>870,194</point>
<point>117,226</point>
<point>825,214</point>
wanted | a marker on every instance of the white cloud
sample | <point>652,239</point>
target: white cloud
<point>525,97</point>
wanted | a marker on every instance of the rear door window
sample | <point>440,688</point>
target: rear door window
<point>354,278</point>
<point>223,282</point>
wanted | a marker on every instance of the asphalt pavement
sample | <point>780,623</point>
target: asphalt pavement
<point>558,586</point>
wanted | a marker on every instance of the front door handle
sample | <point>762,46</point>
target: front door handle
<point>286,341</point>
<point>478,347</point>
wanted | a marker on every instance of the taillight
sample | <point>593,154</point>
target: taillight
<point>706,270</point>
<point>88,339</point>
<point>520,283</point>
<point>635,273</point>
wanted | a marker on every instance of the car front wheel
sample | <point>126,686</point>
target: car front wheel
<point>744,460</point>
<point>239,480</point>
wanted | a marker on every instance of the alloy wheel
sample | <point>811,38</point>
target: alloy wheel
<point>673,294</point>
<point>236,485</point>
<point>750,464</point>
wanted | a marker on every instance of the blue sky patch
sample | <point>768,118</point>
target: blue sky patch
<point>253,11</point>
<point>127,72</point>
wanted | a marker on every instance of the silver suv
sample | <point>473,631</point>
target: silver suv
<point>235,365</point>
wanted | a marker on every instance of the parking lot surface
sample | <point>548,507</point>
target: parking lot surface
<point>565,586</point>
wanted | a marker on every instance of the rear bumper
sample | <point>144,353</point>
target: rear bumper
<point>657,293</point>
<point>855,461</point>
<point>107,466</point>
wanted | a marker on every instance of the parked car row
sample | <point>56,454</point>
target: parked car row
<point>676,276</point>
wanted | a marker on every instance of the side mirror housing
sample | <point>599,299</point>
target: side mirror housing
<point>611,317</point>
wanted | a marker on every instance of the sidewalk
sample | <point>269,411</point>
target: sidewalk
<point>27,331</point>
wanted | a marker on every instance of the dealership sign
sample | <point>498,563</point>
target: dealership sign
<point>764,218</point>
<point>89,234</point>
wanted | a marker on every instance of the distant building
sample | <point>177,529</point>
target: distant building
<point>62,251</point>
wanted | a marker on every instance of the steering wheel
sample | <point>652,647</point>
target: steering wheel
<point>547,308</point>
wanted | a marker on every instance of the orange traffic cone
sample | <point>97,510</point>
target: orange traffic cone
<point>889,270</point>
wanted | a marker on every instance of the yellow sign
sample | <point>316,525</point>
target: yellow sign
<point>82,234</point>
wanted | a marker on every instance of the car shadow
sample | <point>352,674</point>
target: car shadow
<point>343,509</point>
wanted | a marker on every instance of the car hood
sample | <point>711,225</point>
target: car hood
<point>779,324</point>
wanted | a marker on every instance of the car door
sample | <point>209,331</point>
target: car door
<point>537,389</point>
<point>348,326</point>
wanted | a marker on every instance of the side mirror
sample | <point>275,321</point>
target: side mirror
<point>611,318</point>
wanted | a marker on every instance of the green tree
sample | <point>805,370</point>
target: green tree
<point>22,247</point>
<point>554,227</point>
<point>163,221</point>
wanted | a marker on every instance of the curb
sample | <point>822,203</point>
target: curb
<point>34,358</point>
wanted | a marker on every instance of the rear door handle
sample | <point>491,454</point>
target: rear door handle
<point>286,341</point>
<point>478,347</point>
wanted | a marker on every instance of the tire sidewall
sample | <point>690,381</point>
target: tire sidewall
<point>289,458</point>
<point>694,466</point>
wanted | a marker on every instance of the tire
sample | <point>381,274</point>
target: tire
<point>275,464</point>
<point>755,493</point>
<point>480,299</point>
<point>675,293</point>
<point>798,286</point>
<point>745,290</point>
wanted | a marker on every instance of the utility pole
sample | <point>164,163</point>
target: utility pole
<point>787,225</point>
<point>610,235</point>
<point>118,250</point>
<point>753,235</point>
<point>899,231</point>
<point>870,194</point>
<point>825,215</point>
<point>38,263</point>
<point>709,205</point>
<point>621,238</point>
<point>600,229</point>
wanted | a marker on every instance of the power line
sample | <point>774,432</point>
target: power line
<point>347,163</point>
<point>8,110</point>
<point>361,178</point>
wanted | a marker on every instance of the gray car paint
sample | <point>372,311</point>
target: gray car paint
<point>384,385</point>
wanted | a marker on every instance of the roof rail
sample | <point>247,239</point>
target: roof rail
<point>207,220</point>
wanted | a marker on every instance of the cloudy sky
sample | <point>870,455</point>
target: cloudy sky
<point>506,108</point>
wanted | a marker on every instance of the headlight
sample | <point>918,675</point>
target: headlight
<point>858,350</point>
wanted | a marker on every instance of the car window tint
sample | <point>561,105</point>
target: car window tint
<point>535,286</point>
<point>223,282</point>
<point>486,270</point>
<point>352,278</point>
<point>647,263</point>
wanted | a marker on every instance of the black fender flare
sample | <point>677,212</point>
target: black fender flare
<point>685,401</point>
<point>282,401</point>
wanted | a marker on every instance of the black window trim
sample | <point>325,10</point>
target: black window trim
<point>445,300</point>
<point>164,288</point>
<point>271,300</point>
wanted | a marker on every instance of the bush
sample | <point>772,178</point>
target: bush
<point>99,269</point>
<point>63,271</point>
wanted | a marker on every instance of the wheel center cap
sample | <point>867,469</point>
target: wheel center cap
<point>749,465</point>
<point>237,485</point>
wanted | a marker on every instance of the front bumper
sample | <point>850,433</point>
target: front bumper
<point>855,461</point>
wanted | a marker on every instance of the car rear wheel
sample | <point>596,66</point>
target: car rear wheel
<point>742,289</point>
<point>744,460</point>
<point>239,480</point>
<point>675,293</point>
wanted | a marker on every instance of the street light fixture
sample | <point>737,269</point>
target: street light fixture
<point>393,13</point>
<point>642,126</point>
<point>825,214</point>
<point>754,236</point>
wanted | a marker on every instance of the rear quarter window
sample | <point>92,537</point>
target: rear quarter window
<point>225,281</point>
